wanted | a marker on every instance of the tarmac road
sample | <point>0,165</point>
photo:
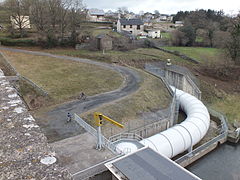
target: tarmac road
<point>55,126</point>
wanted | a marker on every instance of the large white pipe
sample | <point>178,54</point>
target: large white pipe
<point>180,137</point>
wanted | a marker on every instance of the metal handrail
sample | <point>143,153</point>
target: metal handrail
<point>108,144</point>
<point>200,148</point>
<point>121,136</point>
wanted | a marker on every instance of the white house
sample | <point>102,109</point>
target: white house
<point>95,15</point>
<point>154,33</point>
<point>133,26</point>
<point>178,23</point>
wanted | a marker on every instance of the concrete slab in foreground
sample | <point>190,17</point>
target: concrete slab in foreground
<point>79,153</point>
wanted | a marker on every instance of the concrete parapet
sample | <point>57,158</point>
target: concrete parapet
<point>23,146</point>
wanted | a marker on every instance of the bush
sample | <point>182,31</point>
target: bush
<point>17,42</point>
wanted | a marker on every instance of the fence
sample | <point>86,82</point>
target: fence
<point>201,148</point>
<point>123,136</point>
<point>85,125</point>
<point>174,107</point>
<point>93,170</point>
<point>13,71</point>
<point>107,143</point>
<point>151,129</point>
<point>177,76</point>
<point>9,70</point>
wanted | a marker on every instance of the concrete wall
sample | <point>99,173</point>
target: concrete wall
<point>182,82</point>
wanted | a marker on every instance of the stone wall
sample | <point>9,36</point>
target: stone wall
<point>24,151</point>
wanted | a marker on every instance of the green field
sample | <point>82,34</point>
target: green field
<point>201,54</point>
<point>166,35</point>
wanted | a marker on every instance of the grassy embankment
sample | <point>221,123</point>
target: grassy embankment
<point>215,92</point>
<point>201,54</point>
<point>136,58</point>
<point>151,96</point>
<point>64,79</point>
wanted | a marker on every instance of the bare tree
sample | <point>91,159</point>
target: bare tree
<point>76,14</point>
<point>19,14</point>
<point>39,15</point>
<point>233,46</point>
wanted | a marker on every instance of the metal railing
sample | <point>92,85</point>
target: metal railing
<point>161,68</point>
<point>107,143</point>
<point>93,170</point>
<point>124,136</point>
<point>201,148</point>
<point>85,125</point>
<point>151,129</point>
<point>223,132</point>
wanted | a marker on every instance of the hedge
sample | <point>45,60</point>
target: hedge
<point>17,42</point>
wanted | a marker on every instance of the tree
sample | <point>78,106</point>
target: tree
<point>76,14</point>
<point>233,46</point>
<point>123,11</point>
<point>156,13</point>
<point>189,34</point>
<point>39,15</point>
<point>57,19</point>
<point>18,11</point>
<point>177,38</point>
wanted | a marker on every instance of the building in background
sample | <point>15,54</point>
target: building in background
<point>133,26</point>
<point>95,15</point>
<point>153,33</point>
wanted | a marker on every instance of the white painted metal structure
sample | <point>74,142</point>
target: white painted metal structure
<point>180,137</point>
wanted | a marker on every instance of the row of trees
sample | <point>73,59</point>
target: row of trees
<point>202,27</point>
<point>52,19</point>
<point>209,28</point>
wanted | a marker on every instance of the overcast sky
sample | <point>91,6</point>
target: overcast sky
<point>166,6</point>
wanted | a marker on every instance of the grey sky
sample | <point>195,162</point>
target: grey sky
<point>166,6</point>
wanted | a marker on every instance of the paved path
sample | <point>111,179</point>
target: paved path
<point>55,125</point>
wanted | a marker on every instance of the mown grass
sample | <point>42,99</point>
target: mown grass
<point>201,54</point>
<point>166,35</point>
<point>151,96</point>
<point>64,79</point>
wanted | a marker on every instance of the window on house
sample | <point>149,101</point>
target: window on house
<point>130,26</point>
<point>124,26</point>
<point>138,27</point>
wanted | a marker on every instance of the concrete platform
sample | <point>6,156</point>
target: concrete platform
<point>78,153</point>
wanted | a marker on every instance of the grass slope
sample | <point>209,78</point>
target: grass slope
<point>137,57</point>
<point>63,79</point>
<point>151,96</point>
<point>199,53</point>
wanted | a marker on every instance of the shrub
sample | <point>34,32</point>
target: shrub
<point>17,42</point>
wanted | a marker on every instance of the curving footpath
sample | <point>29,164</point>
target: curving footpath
<point>180,137</point>
<point>56,127</point>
